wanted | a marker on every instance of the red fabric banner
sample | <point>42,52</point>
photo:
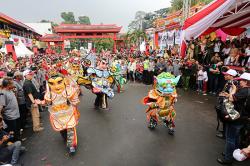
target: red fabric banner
<point>233,31</point>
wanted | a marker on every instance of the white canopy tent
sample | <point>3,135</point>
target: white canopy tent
<point>22,50</point>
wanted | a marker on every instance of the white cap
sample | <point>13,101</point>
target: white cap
<point>238,155</point>
<point>245,76</point>
<point>231,72</point>
<point>27,72</point>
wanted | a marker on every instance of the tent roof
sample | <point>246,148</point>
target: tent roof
<point>231,16</point>
<point>238,15</point>
<point>225,14</point>
<point>87,28</point>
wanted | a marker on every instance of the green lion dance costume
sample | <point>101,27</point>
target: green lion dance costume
<point>161,100</point>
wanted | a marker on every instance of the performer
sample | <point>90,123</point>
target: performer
<point>62,98</point>
<point>99,81</point>
<point>75,71</point>
<point>161,101</point>
<point>116,72</point>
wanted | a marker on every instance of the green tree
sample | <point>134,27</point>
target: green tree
<point>84,20</point>
<point>178,4</point>
<point>68,17</point>
<point>135,37</point>
<point>103,44</point>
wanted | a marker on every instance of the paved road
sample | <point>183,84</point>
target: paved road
<point>120,137</point>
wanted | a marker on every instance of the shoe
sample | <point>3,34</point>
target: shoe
<point>27,126</point>
<point>72,150</point>
<point>224,162</point>
<point>39,129</point>
<point>204,94</point>
<point>220,135</point>
<point>171,131</point>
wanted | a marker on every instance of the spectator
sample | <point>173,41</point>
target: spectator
<point>9,152</point>
<point>176,68</point>
<point>186,72</point>
<point>229,76</point>
<point>242,104</point>
<point>10,112</point>
<point>205,80</point>
<point>145,75</point>
<point>200,79</point>
<point>31,94</point>
<point>151,70</point>
<point>131,69</point>
<point>18,82</point>
<point>214,77</point>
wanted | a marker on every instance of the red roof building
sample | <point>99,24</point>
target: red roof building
<point>80,31</point>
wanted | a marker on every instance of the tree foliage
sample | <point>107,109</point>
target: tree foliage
<point>178,4</point>
<point>135,37</point>
<point>138,22</point>
<point>68,17</point>
<point>84,20</point>
<point>103,44</point>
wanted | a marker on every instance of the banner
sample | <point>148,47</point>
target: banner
<point>27,42</point>
<point>178,37</point>
<point>170,38</point>
<point>163,36</point>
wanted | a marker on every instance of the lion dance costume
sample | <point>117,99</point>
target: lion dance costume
<point>161,100</point>
<point>62,98</point>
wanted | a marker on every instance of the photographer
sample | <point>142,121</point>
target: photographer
<point>9,152</point>
<point>241,99</point>
<point>228,76</point>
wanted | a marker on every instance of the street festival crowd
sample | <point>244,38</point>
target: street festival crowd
<point>216,68</point>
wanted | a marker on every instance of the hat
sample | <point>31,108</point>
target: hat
<point>238,155</point>
<point>18,73</point>
<point>231,72</point>
<point>245,76</point>
<point>27,72</point>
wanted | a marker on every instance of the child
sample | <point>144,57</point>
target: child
<point>205,80</point>
<point>200,78</point>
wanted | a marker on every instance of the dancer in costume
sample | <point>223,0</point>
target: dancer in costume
<point>62,99</point>
<point>116,72</point>
<point>99,81</point>
<point>75,71</point>
<point>161,100</point>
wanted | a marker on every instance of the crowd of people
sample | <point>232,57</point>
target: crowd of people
<point>205,69</point>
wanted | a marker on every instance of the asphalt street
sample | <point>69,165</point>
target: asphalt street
<point>120,137</point>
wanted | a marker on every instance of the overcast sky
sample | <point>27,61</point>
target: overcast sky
<point>119,12</point>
